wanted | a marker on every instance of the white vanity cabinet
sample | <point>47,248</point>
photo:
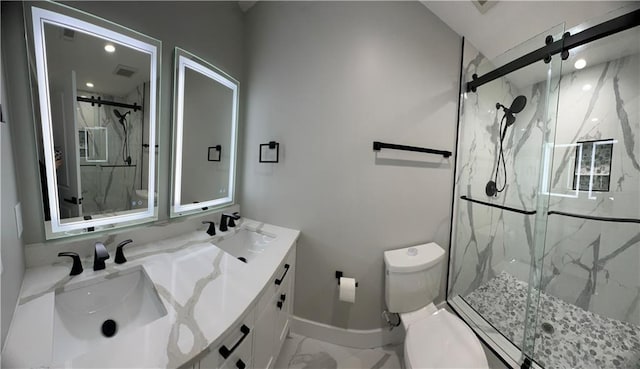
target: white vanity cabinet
<point>256,340</point>
<point>273,313</point>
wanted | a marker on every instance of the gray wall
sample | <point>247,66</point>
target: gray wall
<point>325,80</point>
<point>11,245</point>
<point>211,30</point>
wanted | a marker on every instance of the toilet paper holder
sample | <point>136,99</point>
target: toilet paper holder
<point>339,275</point>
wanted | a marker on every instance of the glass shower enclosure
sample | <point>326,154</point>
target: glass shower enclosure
<point>545,255</point>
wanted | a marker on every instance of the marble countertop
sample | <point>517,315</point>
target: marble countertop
<point>204,290</point>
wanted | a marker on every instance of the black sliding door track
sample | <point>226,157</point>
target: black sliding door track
<point>568,42</point>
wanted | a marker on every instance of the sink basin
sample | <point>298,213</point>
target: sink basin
<point>245,244</point>
<point>96,311</point>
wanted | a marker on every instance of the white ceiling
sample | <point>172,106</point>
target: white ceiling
<point>509,23</point>
<point>85,55</point>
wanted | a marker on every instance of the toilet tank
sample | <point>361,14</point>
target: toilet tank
<point>412,276</point>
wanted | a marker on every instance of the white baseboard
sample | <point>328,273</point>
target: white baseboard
<point>363,339</point>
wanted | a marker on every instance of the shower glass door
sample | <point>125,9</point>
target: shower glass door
<point>588,313</point>
<point>500,213</point>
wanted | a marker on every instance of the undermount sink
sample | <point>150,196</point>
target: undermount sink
<point>97,311</point>
<point>245,244</point>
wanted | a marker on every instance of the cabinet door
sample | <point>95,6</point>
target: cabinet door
<point>237,343</point>
<point>283,308</point>
<point>241,358</point>
<point>264,336</point>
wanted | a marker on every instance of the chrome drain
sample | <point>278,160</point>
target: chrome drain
<point>109,328</point>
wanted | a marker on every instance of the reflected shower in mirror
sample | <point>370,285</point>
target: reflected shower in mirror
<point>97,100</point>
<point>205,130</point>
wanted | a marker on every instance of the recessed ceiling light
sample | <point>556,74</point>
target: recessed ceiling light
<point>580,63</point>
<point>109,48</point>
<point>594,119</point>
<point>89,84</point>
<point>586,87</point>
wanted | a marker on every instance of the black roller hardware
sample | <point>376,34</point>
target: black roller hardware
<point>279,304</point>
<point>567,43</point>
<point>225,352</point>
<point>93,100</point>
<point>283,297</point>
<point>286,269</point>
<point>240,364</point>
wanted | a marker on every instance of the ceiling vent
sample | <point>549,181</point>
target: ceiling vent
<point>125,71</point>
<point>483,5</point>
<point>68,34</point>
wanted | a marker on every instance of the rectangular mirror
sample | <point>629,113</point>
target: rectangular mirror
<point>205,125</point>
<point>95,89</point>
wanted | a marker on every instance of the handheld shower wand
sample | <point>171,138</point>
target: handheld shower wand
<point>518,104</point>
<point>125,147</point>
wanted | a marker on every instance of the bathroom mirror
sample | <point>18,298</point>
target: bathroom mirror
<point>95,89</point>
<point>205,125</point>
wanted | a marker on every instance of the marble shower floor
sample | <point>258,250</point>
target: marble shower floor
<point>580,339</point>
<point>308,353</point>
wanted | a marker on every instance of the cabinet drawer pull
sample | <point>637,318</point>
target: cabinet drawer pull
<point>279,304</point>
<point>225,352</point>
<point>286,269</point>
<point>240,364</point>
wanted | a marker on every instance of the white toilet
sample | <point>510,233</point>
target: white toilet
<point>435,338</point>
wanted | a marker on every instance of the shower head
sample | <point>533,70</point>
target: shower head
<point>516,107</point>
<point>120,115</point>
<point>518,104</point>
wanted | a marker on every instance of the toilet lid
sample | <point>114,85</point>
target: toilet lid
<point>443,341</point>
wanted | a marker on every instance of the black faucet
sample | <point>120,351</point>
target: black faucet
<point>100,254</point>
<point>120,259</point>
<point>212,227</point>
<point>77,264</point>
<point>227,219</point>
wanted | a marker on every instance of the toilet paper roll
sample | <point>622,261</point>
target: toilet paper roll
<point>348,290</point>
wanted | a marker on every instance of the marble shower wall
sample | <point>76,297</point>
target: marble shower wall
<point>593,264</point>
<point>489,240</point>
<point>588,263</point>
<point>109,185</point>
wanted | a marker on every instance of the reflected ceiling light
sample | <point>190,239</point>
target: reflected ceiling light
<point>109,48</point>
<point>89,84</point>
<point>586,87</point>
<point>580,63</point>
<point>594,119</point>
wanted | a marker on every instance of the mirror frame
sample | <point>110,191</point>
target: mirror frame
<point>182,60</point>
<point>63,16</point>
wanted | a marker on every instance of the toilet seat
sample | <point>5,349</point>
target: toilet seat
<point>442,341</point>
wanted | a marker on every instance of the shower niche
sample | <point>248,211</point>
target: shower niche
<point>592,169</point>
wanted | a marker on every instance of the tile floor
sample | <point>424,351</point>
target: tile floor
<point>568,336</point>
<point>308,353</point>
